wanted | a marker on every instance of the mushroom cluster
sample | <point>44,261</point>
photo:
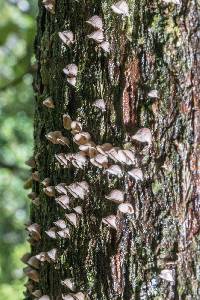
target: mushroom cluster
<point>110,159</point>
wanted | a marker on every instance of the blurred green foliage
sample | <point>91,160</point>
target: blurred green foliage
<point>17,30</point>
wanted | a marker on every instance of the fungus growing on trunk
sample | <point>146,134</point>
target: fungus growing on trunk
<point>67,37</point>
<point>67,121</point>
<point>69,283</point>
<point>121,8</point>
<point>97,36</point>
<point>116,196</point>
<point>114,170</point>
<point>32,274</point>
<point>126,208</point>
<point>49,103</point>
<point>110,221</point>
<point>136,174</point>
<point>49,191</point>
<point>49,5</point>
<point>143,135</point>
<point>72,218</point>
<point>96,22</point>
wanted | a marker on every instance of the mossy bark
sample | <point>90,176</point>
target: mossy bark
<point>156,47</point>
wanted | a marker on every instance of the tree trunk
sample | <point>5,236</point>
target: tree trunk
<point>148,80</point>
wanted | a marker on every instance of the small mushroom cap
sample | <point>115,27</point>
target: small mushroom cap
<point>72,218</point>
<point>167,275</point>
<point>42,256</point>
<point>96,22</point>
<point>95,163</point>
<point>100,103</point>
<point>110,221</point>
<point>153,94</point>
<point>53,136</point>
<point>25,257</point>
<point>30,286</point>
<point>125,157</point>
<point>113,153</point>
<point>31,162</point>
<point>67,121</point>
<point>46,182</point>
<point>48,102</point>
<point>79,296</point>
<point>49,191</point>
<point>76,127</point>
<point>63,159</point>
<point>69,283</point>
<point>67,37</point>
<point>82,138</point>
<point>36,201</point>
<point>136,174</point>
<point>103,149</point>
<point>37,293</point>
<point>89,149</point>
<point>105,46</point>
<point>51,232</point>
<point>32,274</point>
<point>61,188</point>
<point>65,233</point>
<point>34,230</point>
<point>143,135</point>
<point>78,210</point>
<point>116,196</point>
<point>60,224</point>
<point>71,70</point>
<point>85,186</point>
<point>126,208</point>
<point>121,8</point>
<point>122,156</point>
<point>62,140</point>
<point>78,189</point>
<point>97,36</point>
<point>87,146</point>
<point>49,5</point>
<point>35,176</point>
<point>33,262</point>
<point>115,170</point>
<point>72,81</point>
<point>63,201</point>
<point>32,195</point>
<point>130,155</point>
<point>79,159</point>
<point>102,160</point>
<point>53,254</point>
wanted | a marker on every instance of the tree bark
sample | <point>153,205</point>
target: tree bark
<point>154,48</point>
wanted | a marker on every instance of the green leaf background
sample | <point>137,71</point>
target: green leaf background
<point>17,30</point>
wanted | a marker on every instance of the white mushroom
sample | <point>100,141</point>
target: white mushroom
<point>116,196</point>
<point>97,36</point>
<point>136,174</point>
<point>96,22</point>
<point>126,208</point>
<point>67,37</point>
<point>110,221</point>
<point>143,135</point>
<point>121,8</point>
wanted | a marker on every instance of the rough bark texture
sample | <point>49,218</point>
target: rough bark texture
<point>156,47</point>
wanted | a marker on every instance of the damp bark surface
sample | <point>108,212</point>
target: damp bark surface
<point>155,48</point>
